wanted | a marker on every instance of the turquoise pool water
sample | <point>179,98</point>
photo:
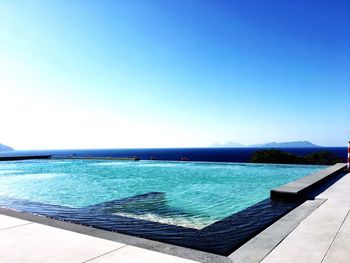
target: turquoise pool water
<point>196,193</point>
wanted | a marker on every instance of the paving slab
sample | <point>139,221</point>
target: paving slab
<point>40,243</point>
<point>339,252</point>
<point>9,222</point>
<point>339,192</point>
<point>132,254</point>
<point>310,241</point>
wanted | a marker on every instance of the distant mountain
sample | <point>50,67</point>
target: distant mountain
<point>295,144</point>
<point>4,148</point>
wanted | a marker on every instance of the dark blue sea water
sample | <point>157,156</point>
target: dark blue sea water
<point>175,154</point>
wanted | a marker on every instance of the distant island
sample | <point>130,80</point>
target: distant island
<point>293,144</point>
<point>296,144</point>
<point>4,148</point>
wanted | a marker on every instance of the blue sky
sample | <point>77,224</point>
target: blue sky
<point>110,74</point>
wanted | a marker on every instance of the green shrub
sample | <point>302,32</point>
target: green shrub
<point>278,156</point>
<point>275,156</point>
<point>322,157</point>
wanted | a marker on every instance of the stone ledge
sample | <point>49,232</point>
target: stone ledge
<point>299,188</point>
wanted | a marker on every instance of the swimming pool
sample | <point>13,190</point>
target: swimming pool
<point>168,201</point>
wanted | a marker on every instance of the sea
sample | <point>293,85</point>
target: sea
<point>177,154</point>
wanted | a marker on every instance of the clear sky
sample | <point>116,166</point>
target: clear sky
<point>182,73</point>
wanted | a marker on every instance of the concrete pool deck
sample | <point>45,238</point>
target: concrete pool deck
<point>316,231</point>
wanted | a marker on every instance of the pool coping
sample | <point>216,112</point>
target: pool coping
<point>23,157</point>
